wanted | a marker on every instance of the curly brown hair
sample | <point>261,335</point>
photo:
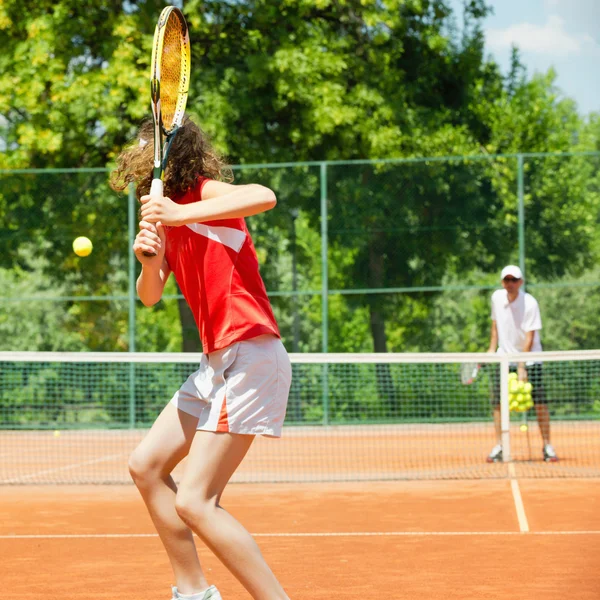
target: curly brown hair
<point>190,156</point>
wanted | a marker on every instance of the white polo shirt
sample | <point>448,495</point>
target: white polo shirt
<point>514,320</point>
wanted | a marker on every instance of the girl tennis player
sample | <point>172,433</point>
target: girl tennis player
<point>241,388</point>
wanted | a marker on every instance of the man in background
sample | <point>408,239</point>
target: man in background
<point>516,324</point>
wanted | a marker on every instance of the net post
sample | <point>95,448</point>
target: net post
<point>504,409</point>
<point>324,290</point>
<point>131,297</point>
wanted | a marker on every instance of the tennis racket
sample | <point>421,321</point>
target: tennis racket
<point>169,85</point>
<point>469,372</point>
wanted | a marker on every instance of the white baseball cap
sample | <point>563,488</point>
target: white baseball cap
<point>512,271</point>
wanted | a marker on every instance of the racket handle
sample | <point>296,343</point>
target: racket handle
<point>156,190</point>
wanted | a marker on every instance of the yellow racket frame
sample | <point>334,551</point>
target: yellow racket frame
<point>169,85</point>
<point>169,81</point>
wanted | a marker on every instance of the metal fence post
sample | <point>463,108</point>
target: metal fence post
<point>521,213</point>
<point>324,290</point>
<point>131,297</point>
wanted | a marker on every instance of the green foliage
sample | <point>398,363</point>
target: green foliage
<point>74,71</point>
<point>158,328</point>
<point>41,325</point>
<point>300,80</point>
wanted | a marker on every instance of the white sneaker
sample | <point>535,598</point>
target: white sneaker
<point>212,593</point>
<point>496,454</point>
<point>550,454</point>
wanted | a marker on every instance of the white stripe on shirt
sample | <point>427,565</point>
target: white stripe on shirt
<point>228,236</point>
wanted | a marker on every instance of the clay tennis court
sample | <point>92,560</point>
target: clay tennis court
<point>313,454</point>
<point>459,540</point>
<point>449,526</point>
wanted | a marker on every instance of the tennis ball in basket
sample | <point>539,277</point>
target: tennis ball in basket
<point>82,246</point>
<point>512,376</point>
<point>527,387</point>
<point>513,386</point>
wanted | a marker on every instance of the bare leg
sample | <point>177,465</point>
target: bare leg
<point>497,424</point>
<point>150,465</point>
<point>543,416</point>
<point>213,459</point>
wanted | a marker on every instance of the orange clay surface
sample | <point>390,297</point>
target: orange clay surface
<point>341,453</point>
<point>417,540</point>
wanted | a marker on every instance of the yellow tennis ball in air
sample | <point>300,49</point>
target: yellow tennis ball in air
<point>56,433</point>
<point>82,246</point>
<point>524,427</point>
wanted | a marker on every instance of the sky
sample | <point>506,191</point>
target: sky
<point>564,34</point>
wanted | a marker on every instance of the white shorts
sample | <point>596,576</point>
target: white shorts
<point>243,388</point>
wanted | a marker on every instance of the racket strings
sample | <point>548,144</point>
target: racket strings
<point>173,72</point>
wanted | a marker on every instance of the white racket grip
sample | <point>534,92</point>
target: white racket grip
<point>156,189</point>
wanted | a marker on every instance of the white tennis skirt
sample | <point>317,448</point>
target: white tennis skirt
<point>243,388</point>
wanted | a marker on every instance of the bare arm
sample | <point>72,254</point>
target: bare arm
<point>155,270</point>
<point>219,201</point>
<point>493,338</point>
<point>522,371</point>
<point>528,341</point>
<point>151,283</point>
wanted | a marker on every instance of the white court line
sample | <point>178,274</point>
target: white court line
<point>64,468</point>
<point>304,535</point>
<point>516,491</point>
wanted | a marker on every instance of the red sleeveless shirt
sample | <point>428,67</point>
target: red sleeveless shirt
<point>216,268</point>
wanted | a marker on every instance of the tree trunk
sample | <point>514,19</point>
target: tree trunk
<point>385,383</point>
<point>377,318</point>
<point>189,330</point>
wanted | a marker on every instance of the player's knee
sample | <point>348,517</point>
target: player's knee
<point>140,468</point>
<point>193,508</point>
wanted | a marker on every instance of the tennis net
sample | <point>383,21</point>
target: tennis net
<point>76,417</point>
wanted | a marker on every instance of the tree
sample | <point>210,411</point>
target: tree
<point>300,80</point>
<point>73,76</point>
<point>40,325</point>
<point>75,79</point>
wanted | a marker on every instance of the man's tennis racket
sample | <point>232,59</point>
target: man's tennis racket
<point>169,85</point>
<point>469,372</point>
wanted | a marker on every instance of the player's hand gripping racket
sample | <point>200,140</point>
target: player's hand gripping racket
<point>169,85</point>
